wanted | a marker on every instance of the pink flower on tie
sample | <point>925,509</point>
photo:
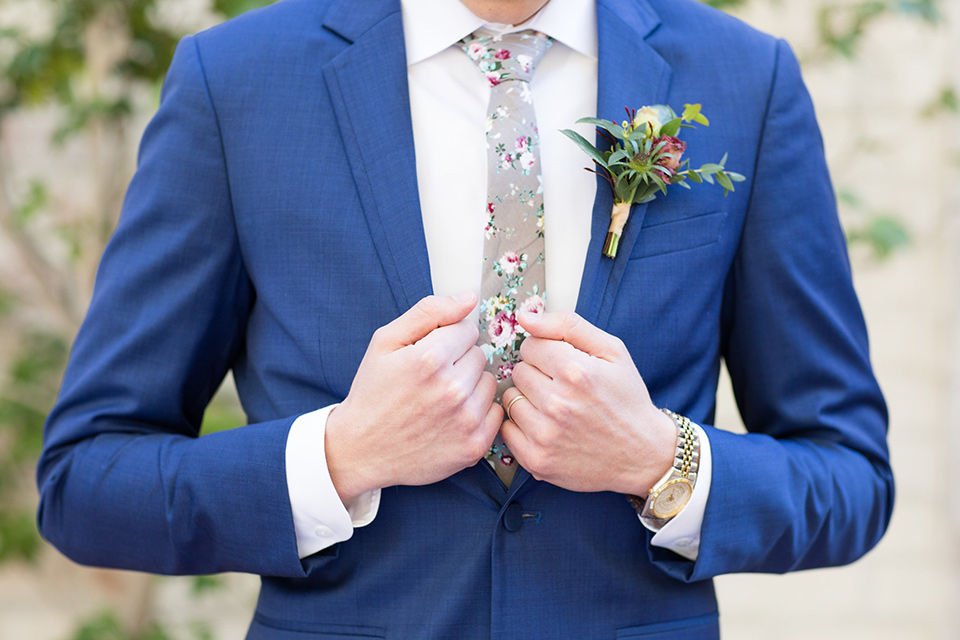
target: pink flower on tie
<point>503,330</point>
<point>527,160</point>
<point>510,262</point>
<point>523,143</point>
<point>505,371</point>
<point>534,304</point>
<point>475,50</point>
<point>502,54</point>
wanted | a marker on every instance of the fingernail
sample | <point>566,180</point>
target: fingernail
<point>465,297</point>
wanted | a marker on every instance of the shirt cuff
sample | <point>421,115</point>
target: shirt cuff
<point>682,533</point>
<point>320,518</point>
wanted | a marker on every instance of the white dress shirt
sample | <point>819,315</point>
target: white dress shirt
<point>448,103</point>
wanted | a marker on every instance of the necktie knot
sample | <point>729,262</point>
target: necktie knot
<point>506,57</point>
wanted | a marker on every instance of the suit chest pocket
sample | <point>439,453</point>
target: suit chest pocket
<point>671,236</point>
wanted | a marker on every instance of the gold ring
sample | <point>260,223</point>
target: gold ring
<point>519,396</point>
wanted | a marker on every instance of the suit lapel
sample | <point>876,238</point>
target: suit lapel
<point>368,87</point>
<point>631,74</point>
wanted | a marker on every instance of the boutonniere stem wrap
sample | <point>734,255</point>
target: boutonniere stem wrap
<point>644,158</point>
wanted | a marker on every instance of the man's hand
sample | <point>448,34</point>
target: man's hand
<point>420,407</point>
<point>587,423</point>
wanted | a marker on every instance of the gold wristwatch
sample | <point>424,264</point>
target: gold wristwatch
<point>672,492</point>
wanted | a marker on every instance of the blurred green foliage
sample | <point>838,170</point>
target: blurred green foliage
<point>726,5</point>
<point>841,26</point>
<point>49,68</point>
<point>221,415</point>
<point>35,200</point>
<point>206,584</point>
<point>946,102</point>
<point>24,400</point>
<point>7,304</point>
<point>106,626</point>
<point>18,536</point>
<point>884,234</point>
<point>880,232</point>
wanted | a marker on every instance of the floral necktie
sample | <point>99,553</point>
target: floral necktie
<point>513,256</point>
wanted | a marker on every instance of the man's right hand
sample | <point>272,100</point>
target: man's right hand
<point>420,408</point>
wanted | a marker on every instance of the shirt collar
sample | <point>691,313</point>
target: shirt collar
<point>430,26</point>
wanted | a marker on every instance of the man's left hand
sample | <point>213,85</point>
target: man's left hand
<point>587,422</point>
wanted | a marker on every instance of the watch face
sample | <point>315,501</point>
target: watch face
<point>672,498</point>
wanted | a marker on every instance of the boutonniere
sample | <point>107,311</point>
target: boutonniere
<point>645,157</point>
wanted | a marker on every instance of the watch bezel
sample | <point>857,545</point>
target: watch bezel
<point>653,499</point>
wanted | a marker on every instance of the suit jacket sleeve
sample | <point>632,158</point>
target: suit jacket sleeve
<point>810,484</point>
<point>124,480</point>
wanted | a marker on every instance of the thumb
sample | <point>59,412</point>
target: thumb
<point>428,314</point>
<point>569,327</point>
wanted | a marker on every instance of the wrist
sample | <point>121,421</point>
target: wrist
<point>661,452</point>
<point>347,470</point>
<point>668,496</point>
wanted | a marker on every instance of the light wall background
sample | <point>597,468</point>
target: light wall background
<point>878,146</point>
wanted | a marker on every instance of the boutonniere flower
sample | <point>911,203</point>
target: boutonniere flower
<point>645,157</point>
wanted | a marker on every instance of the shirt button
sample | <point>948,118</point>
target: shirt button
<point>324,531</point>
<point>684,542</point>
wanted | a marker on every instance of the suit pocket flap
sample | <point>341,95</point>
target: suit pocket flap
<point>702,628</point>
<point>679,235</point>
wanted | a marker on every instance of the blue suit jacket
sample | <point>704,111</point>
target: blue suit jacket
<point>274,224</point>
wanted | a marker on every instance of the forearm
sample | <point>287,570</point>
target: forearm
<point>172,504</point>
<point>784,505</point>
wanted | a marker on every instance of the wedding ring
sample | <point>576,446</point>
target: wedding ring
<point>519,396</point>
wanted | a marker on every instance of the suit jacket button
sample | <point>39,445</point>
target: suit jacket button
<point>513,517</point>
